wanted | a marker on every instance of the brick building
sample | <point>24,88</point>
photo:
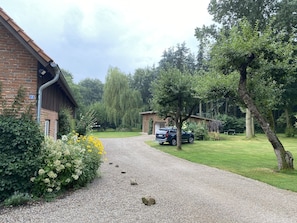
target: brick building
<point>151,121</point>
<point>24,65</point>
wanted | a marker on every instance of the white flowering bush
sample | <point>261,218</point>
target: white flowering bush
<point>65,164</point>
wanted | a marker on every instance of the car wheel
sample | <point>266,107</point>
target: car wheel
<point>191,140</point>
<point>173,142</point>
<point>161,143</point>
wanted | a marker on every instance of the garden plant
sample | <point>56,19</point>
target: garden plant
<point>71,162</point>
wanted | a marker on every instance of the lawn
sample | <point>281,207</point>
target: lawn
<point>253,158</point>
<point>115,134</point>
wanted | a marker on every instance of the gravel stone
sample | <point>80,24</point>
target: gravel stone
<point>185,193</point>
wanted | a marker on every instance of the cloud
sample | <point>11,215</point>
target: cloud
<point>87,37</point>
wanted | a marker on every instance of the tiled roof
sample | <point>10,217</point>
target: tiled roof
<point>21,35</point>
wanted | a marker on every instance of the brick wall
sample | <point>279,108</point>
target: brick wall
<point>17,68</point>
<point>52,117</point>
<point>156,119</point>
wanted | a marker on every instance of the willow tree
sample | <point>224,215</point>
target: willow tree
<point>122,103</point>
<point>256,55</point>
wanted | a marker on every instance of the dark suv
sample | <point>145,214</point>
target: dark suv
<point>168,134</point>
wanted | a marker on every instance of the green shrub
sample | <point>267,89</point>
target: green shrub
<point>17,199</point>
<point>70,162</point>
<point>85,123</point>
<point>20,142</point>
<point>65,121</point>
<point>199,129</point>
<point>232,122</point>
<point>290,131</point>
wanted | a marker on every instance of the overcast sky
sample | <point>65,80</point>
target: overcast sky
<point>86,37</point>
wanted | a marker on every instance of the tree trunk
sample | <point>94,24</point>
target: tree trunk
<point>248,124</point>
<point>284,158</point>
<point>288,123</point>
<point>178,137</point>
<point>200,108</point>
<point>178,122</point>
<point>226,106</point>
<point>253,125</point>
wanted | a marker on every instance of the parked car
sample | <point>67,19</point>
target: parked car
<point>168,134</point>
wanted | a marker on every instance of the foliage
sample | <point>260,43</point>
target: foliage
<point>65,120</point>
<point>178,57</point>
<point>271,56</point>
<point>232,122</point>
<point>230,12</point>
<point>122,103</point>
<point>290,131</point>
<point>17,107</point>
<point>141,81</point>
<point>199,129</point>
<point>20,141</point>
<point>174,97</point>
<point>91,91</point>
<point>281,15</point>
<point>100,115</point>
<point>70,162</point>
<point>261,56</point>
<point>75,88</point>
<point>173,91</point>
<point>85,123</point>
<point>17,199</point>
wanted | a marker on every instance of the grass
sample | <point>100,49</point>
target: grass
<point>253,158</point>
<point>115,134</point>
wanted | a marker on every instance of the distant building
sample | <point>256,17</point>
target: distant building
<point>151,118</point>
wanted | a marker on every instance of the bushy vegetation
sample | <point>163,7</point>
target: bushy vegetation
<point>290,131</point>
<point>199,129</point>
<point>20,141</point>
<point>65,122</point>
<point>71,162</point>
<point>85,122</point>
<point>232,122</point>
<point>18,199</point>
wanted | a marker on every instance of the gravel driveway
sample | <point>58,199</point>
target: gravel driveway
<point>184,192</point>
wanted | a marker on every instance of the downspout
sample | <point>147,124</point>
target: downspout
<point>42,87</point>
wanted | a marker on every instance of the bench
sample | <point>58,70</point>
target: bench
<point>230,132</point>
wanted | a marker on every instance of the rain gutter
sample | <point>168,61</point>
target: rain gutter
<point>45,85</point>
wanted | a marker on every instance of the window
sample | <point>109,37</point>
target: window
<point>47,127</point>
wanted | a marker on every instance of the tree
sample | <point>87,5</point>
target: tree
<point>205,36</point>
<point>179,57</point>
<point>75,89</point>
<point>230,12</point>
<point>100,114</point>
<point>255,54</point>
<point>261,12</point>
<point>122,103</point>
<point>91,91</point>
<point>141,81</point>
<point>286,21</point>
<point>174,97</point>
